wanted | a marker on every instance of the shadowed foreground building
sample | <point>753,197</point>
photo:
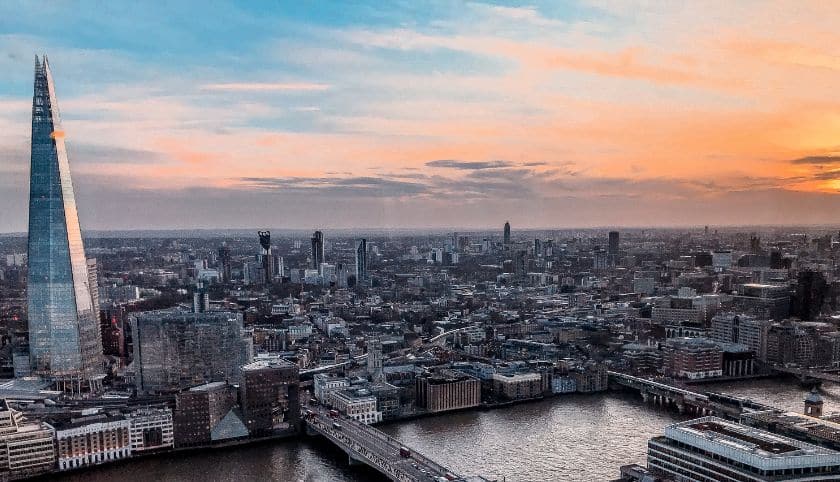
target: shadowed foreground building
<point>269,396</point>
<point>64,338</point>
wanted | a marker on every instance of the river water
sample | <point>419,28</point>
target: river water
<point>568,438</point>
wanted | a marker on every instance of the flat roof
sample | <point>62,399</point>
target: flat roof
<point>751,446</point>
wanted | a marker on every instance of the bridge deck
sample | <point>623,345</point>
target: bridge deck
<point>377,449</point>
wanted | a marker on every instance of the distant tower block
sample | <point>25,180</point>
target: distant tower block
<point>507,233</point>
<point>265,256</point>
<point>814,404</point>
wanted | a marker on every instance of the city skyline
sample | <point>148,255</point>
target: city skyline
<point>458,114</point>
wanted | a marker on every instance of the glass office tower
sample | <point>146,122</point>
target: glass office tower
<point>64,338</point>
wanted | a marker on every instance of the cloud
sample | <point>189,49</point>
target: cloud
<point>816,160</point>
<point>359,186</point>
<point>265,86</point>
<point>468,165</point>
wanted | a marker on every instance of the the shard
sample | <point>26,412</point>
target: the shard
<point>64,338</point>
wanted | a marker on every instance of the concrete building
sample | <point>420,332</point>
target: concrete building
<point>743,329</point>
<point>27,448</point>
<point>520,386</point>
<point>323,384</point>
<point>358,404</point>
<point>447,390</point>
<point>713,449</point>
<point>200,410</point>
<point>269,396</point>
<point>693,358</point>
<point>174,349</point>
<point>92,439</point>
<point>151,429</point>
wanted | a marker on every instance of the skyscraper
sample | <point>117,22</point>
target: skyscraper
<point>224,262</point>
<point>507,232</point>
<point>317,249</point>
<point>361,260</point>
<point>612,250</point>
<point>64,338</point>
<point>266,258</point>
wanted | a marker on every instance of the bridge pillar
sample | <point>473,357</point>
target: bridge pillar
<point>351,461</point>
<point>645,396</point>
<point>681,408</point>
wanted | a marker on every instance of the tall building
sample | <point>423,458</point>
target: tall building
<point>266,258</point>
<point>64,336</point>
<point>224,262</point>
<point>361,260</point>
<point>612,249</point>
<point>317,249</point>
<point>507,233</point>
<point>175,350</point>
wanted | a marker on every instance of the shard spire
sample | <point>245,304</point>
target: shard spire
<point>64,338</point>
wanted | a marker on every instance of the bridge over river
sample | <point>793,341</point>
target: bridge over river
<point>367,445</point>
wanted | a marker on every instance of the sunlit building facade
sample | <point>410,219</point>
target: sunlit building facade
<point>64,337</point>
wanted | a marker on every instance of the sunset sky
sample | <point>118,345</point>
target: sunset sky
<point>440,114</point>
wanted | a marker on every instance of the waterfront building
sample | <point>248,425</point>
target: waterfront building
<point>64,338</point>
<point>176,349</point>
<point>712,449</point>
<point>519,386</point>
<point>693,358</point>
<point>358,404</point>
<point>151,429</point>
<point>205,414</point>
<point>269,396</point>
<point>27,448</point>
<point>592,377</point>
<point>447,390</point>
<point>92,439</point>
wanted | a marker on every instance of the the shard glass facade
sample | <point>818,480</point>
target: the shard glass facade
<point>64,338</point>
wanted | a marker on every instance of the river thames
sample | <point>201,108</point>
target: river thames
<point>568,438</point>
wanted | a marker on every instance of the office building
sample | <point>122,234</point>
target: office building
<point>27,448</point>
<point>712,449</point>
<point>64,337</point>
<point>205,414</point>
<point>224,263</point>
<point>507,233</point>
<point>151,429</point>
<point>743,329</point>
<point>374,359</point>
<point>176,349</point>
<point>358,404</point>
<point>693,358</point>
<point>269,396</point>
<point>317,242</point>
<point>323,384</point>
<point>612,247</point>
<point>92,439</point>
<point>361,261</point>
<point>447,390</point>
